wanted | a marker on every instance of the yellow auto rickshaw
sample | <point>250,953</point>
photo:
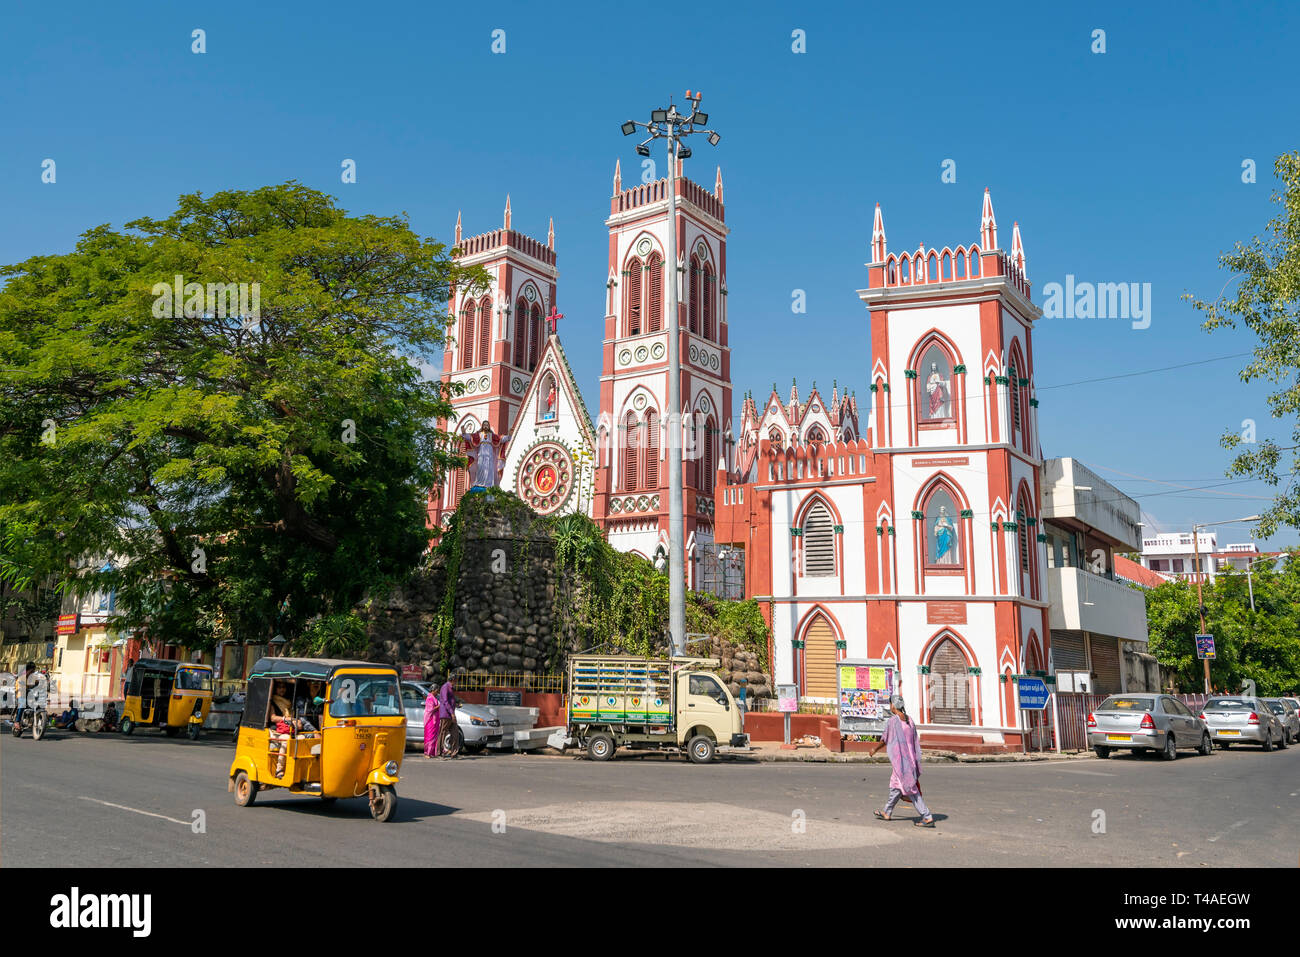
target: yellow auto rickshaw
<point>171,695</point>
<point>322,727</point>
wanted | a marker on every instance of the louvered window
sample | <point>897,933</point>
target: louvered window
<point>820,658</point>
<point>706,307</point>
<point>521,332</point>
<point>710,463</point>
<point>693,303</point>
<point>818,542</point>
<point>1015,401</point>
<point>652,451</point>
<point>485,331</point>
<point>534,337</point>
<point>467,338</point>
<point>631,443</point>
<point>632,303</point>
<point>655,307</point>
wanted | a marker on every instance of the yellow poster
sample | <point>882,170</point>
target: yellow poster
<point>877,679</point>
<point>848,678</point>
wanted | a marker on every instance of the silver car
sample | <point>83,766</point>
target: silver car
<point>1286,713</point>
<point>478,727</point>
<point>1146,722</point>
<point>1237,719</point>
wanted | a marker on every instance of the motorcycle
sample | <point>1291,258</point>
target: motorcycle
<point>35,719</point>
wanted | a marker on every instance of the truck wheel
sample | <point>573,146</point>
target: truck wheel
<point>245,789</point>
<point>600,747</point>
<point>700,749</point>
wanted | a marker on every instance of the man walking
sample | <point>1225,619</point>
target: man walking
<point>904,744</point>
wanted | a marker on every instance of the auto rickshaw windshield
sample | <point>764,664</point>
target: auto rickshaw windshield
<point>193,679</point>
<point>363,696</point>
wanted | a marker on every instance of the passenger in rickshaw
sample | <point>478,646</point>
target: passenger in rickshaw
<point>282,723</point>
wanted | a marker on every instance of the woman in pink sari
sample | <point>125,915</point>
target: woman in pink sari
<point>904,744</point>
<point>431,722</point>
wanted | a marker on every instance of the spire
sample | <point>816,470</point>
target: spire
<point>835,393</point>
<point>550,234</point>
<point>988,225</point>
<point>878,237</point>
<point>794,392</point>
<point>458,227</point>
<point>717,185</point>
<point>507,226</point>
<point>1018,250</point>
<point>618,177</point>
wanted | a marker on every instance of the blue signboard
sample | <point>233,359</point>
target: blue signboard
<point>1033,693</point>
<point>1204,646</point>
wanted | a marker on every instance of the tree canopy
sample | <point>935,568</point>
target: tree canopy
<point>1267,301</point>
<point>1263,644</point>
<point>223,407</point>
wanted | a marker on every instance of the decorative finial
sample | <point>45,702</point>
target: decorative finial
<point>988,224</point>
<point>550,234</point>
<point>618,177</point>
<point>1018,250</point>
<point>878,237</point>
<point>507,211</point>
<point>717,185</point>
<point>458,227</point>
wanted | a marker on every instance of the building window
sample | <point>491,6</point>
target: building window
<point>631,450</point>
<point>485,331</point>
<point>467,337</point>
<point>652,450</point>
<point>655,293</point>
<point>693,302</point>
<point>815,434</point>
<point>707,307</point>
<point>632,297</point>
<point>521,333</point>
<point>818,542</point>
<point>535,337</point>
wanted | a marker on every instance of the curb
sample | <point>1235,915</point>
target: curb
<point>927,757</point>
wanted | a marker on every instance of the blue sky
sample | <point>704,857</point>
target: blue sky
<point>1124,166</point>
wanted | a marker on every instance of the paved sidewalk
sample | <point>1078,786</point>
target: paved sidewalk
<point>772,751</point>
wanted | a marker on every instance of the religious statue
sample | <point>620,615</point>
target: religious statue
<point>487,460</point>
<point>945,539</point>
<point>936,387</point>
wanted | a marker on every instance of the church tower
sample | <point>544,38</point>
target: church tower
<point>497,336</point>
<point>959,466</point>
<point>632,472</point>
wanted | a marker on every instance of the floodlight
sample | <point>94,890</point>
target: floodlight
<point>658,116</point>
<point>683,152</point>
<point>702,119</point>
<point>713,139</point>
<point>642,150</point>
<point>629,128</point>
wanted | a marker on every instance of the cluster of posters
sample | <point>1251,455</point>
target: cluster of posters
<point>865,691</point>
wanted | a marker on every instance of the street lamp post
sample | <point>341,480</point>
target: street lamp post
<point>674,126</point>
<point>1200,605</point>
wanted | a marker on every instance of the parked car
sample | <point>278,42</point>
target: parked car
<point>478,727</point>
<point>1241,719</point>
<point>1286,713</point>
<point>1146,722</point>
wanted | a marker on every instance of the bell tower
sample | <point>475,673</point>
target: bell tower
<point>632,473</point>
<point>497,335</point>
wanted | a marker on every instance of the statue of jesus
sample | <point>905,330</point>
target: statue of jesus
<point>936,387</point>
<point>486,454</point>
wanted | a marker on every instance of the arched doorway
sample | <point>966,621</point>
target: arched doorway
<point>949,681</point>
<point>820,656</point>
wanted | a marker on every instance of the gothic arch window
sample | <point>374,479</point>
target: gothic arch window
<point>654,310</point>
<point>775,437</point>
<point>818,541</point>
<point>1026,543</point>
<point>631,452</point>
<point>548,400</point>
<point>651,450</point>
<point>1015,371</point>
<point>467,337</point>
<point>944,548</point>
<point>935,402</point>
<point>535,336</point>
<point>950,684</point>
<point>709,460</point>
<point>693,300</point>
<point>521,332</point>
<point>820,658</point>
<point>485,331</point>
<point>632,304</point>
<point>815,434</point>
<point>708,307</point>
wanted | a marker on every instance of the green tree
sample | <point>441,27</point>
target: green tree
<point>1262,645</point>
<point>1267,300</point>
<point>249,463</point>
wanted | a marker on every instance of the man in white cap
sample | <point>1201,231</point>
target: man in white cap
<point>904,744</point>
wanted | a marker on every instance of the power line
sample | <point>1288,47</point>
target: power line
<point>1129,375</point>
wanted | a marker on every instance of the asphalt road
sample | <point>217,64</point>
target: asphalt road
<point>108,800</point>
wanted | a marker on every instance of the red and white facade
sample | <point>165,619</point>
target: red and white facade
<point>917,541</point>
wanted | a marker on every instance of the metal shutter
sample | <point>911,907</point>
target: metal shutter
<point>949,680</point>
<point>1067,651</point>
<point>820,657</point>
<point>1105,664</point>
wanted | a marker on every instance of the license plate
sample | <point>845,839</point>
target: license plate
<point>1229,732</point>
<point>1119,737</point>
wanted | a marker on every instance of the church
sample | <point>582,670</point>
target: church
<point>904,530</point>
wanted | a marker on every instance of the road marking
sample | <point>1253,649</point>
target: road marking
<point>1230,828</point>
<point>133,810</point>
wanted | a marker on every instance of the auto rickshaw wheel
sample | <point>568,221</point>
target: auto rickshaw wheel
<point>171,732</point>
<point>127,725</point>
<point>193,731</point>
<point>383,802</point>
<point>245,789</point>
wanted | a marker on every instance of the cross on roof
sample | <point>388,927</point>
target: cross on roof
<point>554,319</point>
